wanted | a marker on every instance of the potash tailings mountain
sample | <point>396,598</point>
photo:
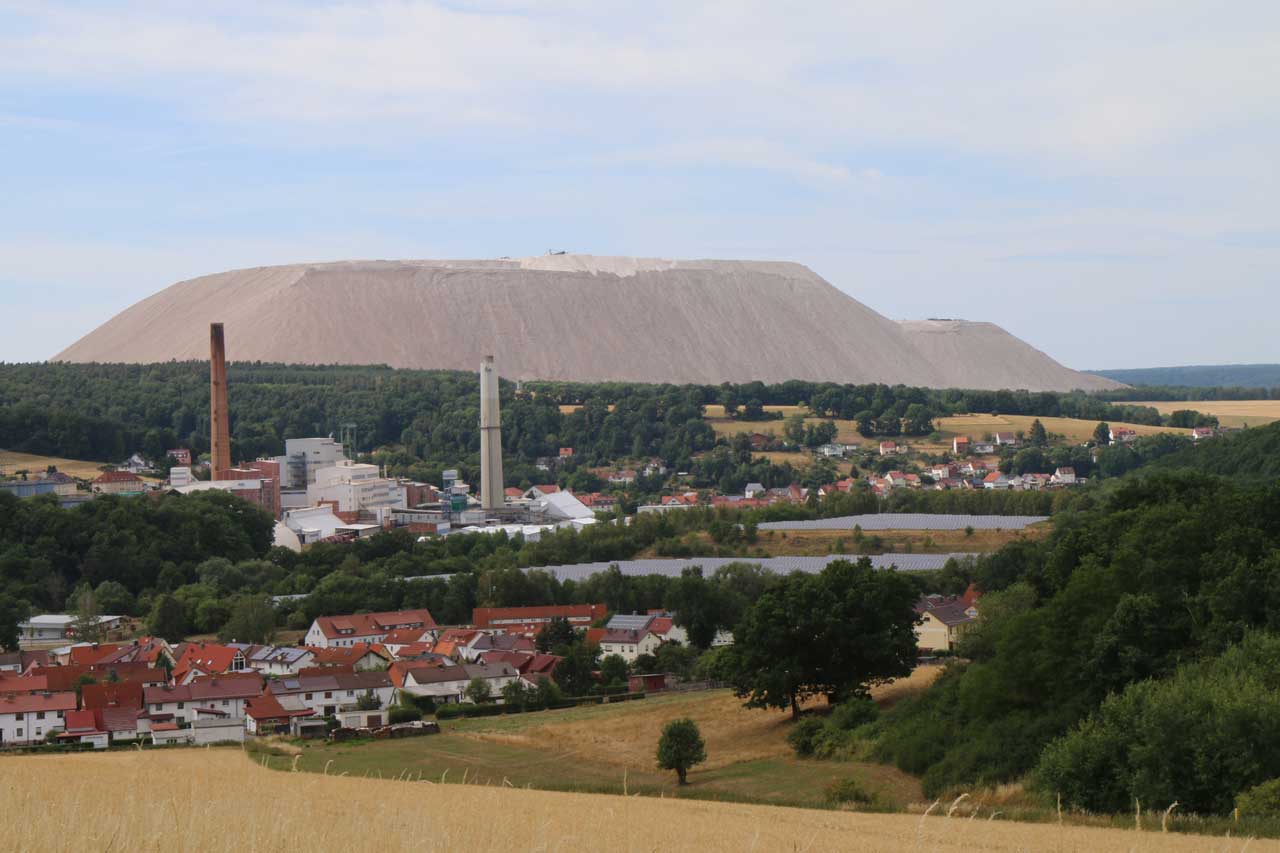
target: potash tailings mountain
<point>571,317</point>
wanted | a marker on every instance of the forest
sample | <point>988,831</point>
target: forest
<point>425,420</point>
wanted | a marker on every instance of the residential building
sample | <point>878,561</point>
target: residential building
<point>325,695</point>
<point>280,660</point>
<point>1006,439</point>
<point>1123,435</point>
<point>199,659</point>
<point>58,626</point>
<point>995,480</point>
<point>960,445</point>
<point>944,619</point>
<point>530,620</point>
<point>217,696</point>
<point>33,717</point>
<point>888,448</point>
<point>329,631</point>
<point>358,657</point>
<point>1064,477</point>
<point>119,483</point>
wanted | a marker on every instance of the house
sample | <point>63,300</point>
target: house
<point>624,477</point>
<point>598,502</point>
<point>566,453</point>
<point>119,694</point>
<point>266,716</point>
<point>208,659</point>
<point>753,490</point>
<point>960,445</point>
<point>1123,435</point>
<point>359,657</point>
<point>83,727</point>
<point>1201,433</point>
<point>511,493</point>
<point>984,448</point>
<point>628,644</point>
<point>995,480</point>
<point>1006,439</point>
<point>406,638</point>
<point>760,441</point>
<point>14,683</point>
<point>31,718</point>
<point>463,644</point>
<point>1064,477</point>
<point>943,620</point>
<point>896,479</point>
<point>118,483</point>
<point>216,696</point>
<point>831,450</point>
<point>135,464</point>
<point>443,684</point>
<point>327,631</point>
<point>59,626</point>
<point>655,468</point>
<point>496,675</point>
<point>888,448</point>
<point>280,660</point>
<point>326,694</point>
<point>68,677</point>
<point>531,620</point>
<point>180,456</point>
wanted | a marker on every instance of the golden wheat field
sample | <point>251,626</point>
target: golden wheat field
<point>1230,413</point>
<point>220,800</point>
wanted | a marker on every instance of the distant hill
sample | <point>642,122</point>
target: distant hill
<point>572,317</point>
<point>1200,376</point>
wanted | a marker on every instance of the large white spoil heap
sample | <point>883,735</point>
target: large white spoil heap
<point>573,317</point>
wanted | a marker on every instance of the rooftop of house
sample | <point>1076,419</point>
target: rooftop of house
<point>371,624</point>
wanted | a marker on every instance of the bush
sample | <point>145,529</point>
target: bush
<point>404,714</point>
<point>1261,800</point>
<point>848,790</point>
<point>803,736</point>
<point>852,713</point>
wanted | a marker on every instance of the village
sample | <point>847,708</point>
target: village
<point>366,674</point>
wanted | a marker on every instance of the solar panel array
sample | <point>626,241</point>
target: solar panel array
<point>909,521</point>
<point>781,565</point>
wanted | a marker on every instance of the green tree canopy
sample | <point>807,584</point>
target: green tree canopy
<point>681,747</point>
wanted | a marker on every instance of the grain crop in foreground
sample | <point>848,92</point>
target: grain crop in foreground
<point>218,799</point>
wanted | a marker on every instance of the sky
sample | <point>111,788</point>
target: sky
<point>1100,179</point>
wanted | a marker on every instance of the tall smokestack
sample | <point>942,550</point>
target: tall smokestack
<point>219,422</point>
<point>491,490</point>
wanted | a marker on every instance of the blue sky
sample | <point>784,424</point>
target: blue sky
<point>1100,181</point>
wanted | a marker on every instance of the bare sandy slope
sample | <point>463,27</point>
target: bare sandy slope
<point>217,800</point>
<point>570,317</point>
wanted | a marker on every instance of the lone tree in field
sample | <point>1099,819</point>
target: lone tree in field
<point>681,747</point>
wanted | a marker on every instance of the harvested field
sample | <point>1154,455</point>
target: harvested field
<point>1075,430</point>
<point>79,468</point>
<point>812,543</point>
<point>1230,413</point>
<point>218,799</point>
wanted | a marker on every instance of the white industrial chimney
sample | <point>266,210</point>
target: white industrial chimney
<point>491,489</point>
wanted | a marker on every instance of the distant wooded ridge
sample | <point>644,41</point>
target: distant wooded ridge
<point>1253,377</point>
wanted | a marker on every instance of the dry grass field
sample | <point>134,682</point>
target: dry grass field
<point>1230,413</point>
<point>816,543</point>
<point>79,468</point>
<point>219,800</point>
<point>1075,430</point>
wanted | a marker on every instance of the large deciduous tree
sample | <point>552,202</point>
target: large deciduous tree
<point>835,634</point>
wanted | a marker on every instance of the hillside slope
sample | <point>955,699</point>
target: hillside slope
<point>573,317</point>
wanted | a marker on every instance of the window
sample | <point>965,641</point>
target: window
<point>19,732</point>
<point>39,715</point>
<point>328,694</point>
<point>181,705</point>
<point>225,703</point>
<point>308,696</point>
<point>351,693</point>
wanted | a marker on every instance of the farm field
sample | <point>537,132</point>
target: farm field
<point>11,462</point>
<point>219,799</point>
<point>609,749</point>
<point>816,543</point>
<point>1230,413</point>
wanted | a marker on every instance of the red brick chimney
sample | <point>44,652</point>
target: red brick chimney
<point>219,422</point>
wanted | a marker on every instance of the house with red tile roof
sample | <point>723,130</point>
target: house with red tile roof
<point>23,683</point>
<point>219,694</point>
<point>208,659</point>
<point>530,620</point>
<point>266,716</point>
<point>995,480</point>
<point>91,653</point>
<point>328,631</point>
<point>67,677</point>
<point>120,694</point>
<point>118,483</point>
<point>33,717</point>
<point>361,656</point>
<point>944,619</point>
